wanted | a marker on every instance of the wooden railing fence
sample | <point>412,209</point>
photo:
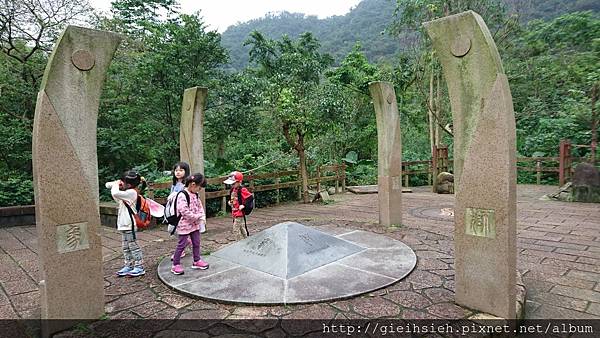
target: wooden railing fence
<point>563,166</point>
<point>282,180</point>
<point>539,165</point>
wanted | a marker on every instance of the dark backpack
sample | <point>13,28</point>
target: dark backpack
<point>175,218</point>
<point>248,202</point>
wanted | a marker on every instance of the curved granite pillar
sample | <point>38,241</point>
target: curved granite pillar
<point>389,153</point>
<point>484,163</point>
<point>65,174</point>
<point>191,131</point>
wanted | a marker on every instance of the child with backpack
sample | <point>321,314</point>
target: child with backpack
<point>242,202</point>
<point>125,192</point>
<point>190,214</point>
<point>181,170</point>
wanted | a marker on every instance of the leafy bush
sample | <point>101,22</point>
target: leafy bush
<point>360,172</point>
<point>16,191</point>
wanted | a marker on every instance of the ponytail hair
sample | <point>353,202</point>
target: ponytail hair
<point>198,178</point>
<point>134,179</point>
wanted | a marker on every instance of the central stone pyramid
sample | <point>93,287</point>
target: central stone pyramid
<point>287,250</point>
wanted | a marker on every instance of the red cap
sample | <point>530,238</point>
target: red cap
<point>235,176</point>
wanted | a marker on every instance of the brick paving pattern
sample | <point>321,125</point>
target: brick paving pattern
<point>558,243</point>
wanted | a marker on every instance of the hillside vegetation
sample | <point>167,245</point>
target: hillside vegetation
<point>296,95</point>
<point>368,23</point>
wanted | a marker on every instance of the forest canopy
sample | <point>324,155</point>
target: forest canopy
<point>290,90</point>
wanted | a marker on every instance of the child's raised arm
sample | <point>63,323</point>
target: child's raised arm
<point>118,194</point>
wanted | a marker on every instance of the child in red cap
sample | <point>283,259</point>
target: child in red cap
<point>238,191</point>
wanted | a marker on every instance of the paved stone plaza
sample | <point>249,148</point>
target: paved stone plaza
<point>558,256</point>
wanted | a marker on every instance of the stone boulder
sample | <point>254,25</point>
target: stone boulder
<point>563,193</point>
<point>444,183</point>
<point>586,184</point>
<point>319,196</point>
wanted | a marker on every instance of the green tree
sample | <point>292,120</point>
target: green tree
<point>235,110</point>
<point>552,71</point>
<point>293,70</point>
<point>141,107</point>
<point>136,17</point>
<point>28,30</point>
<point>357,129</point>
<point>410,14</point>
<point>409,17</point>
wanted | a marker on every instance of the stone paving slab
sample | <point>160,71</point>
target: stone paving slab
<point>373,241</point>
<point>333,230</point>
<point>389,262</point>
<point>338,282</point>
<point>238,285</point>
<point>426,293</point>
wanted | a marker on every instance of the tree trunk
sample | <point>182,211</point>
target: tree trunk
<point>594,124</point>
<point>430,113</point>
<point>298,145</point>
<point>438,112</point>
<point>303,171</point>
<point>221,148</point>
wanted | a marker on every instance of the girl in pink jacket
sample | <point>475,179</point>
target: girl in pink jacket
<point>191,218</point>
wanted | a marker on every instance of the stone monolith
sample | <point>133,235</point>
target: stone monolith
<point>65,174</point>
<point>484,163</point>
<point>389,153</point>
<point>191,132</point>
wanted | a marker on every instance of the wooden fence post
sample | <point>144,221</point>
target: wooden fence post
<point>277,181</point>
<point>344,177</point>
<point>561,163</point>
<point>538,172</point>
<point>564,162</point>
<point>251,181</point>
<point>337,178</point>
<point>318,179</point>
<point>224,200</point>
<point>434,168</point>
<point>569,162</point>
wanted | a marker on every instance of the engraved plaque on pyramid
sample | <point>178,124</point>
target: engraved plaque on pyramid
<point>287,250</point>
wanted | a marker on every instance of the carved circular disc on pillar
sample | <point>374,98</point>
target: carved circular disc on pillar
<point>390,99</point>
<point>461,46</point>
<point>83,60</point>
<point>188,107</point>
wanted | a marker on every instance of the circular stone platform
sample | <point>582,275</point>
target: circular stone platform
<point>290,263</point>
